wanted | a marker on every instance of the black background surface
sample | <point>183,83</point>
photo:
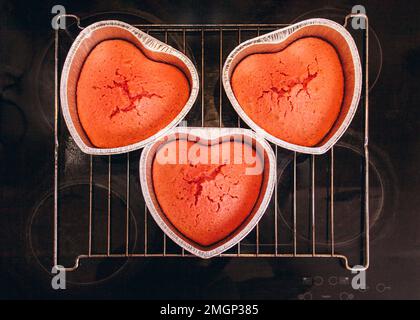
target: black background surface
<point>26,159</point>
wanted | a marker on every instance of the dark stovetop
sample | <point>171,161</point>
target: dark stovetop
<point>26,158</point>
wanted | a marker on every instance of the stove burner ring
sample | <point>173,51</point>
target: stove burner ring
<point>375,215</point>
<point>13,124</point>
<point>76,195</point>
<point>44,68</point>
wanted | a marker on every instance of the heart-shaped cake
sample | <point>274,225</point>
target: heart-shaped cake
<point>124,97</point>
<point>121,88</point>
<point>207,188</point>
<point>206,200</point>
<point>298,87</point>
<point>294,94</point>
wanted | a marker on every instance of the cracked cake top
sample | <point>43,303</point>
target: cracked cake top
<point>124,97</point>
<point>294,94</point>
<point>207,201</point>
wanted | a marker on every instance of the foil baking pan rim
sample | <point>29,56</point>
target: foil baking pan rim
<point>277,37</point>
<point>152,45</point>
<point>209,134</point>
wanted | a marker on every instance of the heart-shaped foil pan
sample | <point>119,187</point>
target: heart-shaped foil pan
<point>275,41</point>
<point>209,135</point>
<point>154,49</point>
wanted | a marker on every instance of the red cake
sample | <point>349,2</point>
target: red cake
<point>294,94</point>
<point>124,97</point>
<point>207,201</point>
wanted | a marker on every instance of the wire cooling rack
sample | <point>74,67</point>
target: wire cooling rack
<point>208,45</point>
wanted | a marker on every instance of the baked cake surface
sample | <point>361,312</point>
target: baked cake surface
<point>123,97</point>
<point>294,94</point>
<point>207,201</point>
